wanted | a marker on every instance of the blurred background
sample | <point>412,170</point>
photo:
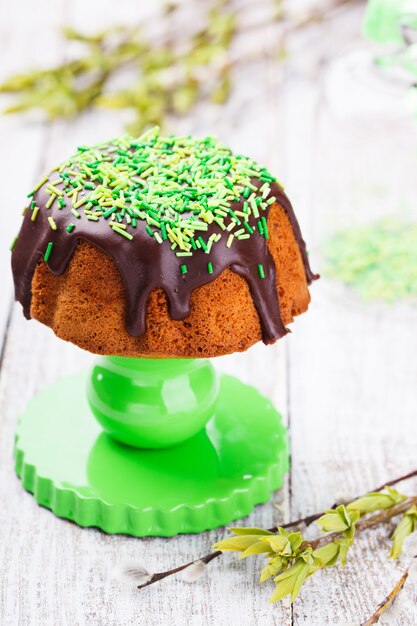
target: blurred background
<point>323,93</point>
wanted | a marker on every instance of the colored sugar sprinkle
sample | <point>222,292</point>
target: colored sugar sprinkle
<point>261,270</point>
<point>70,228</point>
<point>178,186</point>
<point>210,268</point>
<point>183,269</point>
<point>48,251</point>
<point>12,245</point>
<point>52,223</point>
<point>378,261</point>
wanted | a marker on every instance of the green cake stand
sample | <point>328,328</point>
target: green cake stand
<point>151,447</point>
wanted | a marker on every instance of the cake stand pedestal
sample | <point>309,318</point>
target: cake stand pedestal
<point>151,447</point>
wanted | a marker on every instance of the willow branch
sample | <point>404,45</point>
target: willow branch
<point>364,524</point>
<point>388,600</point>
<point>309,519</point>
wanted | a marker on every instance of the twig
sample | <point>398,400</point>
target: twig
<point>309,519</point>
<point>364,524</point>
<point>388,600</point>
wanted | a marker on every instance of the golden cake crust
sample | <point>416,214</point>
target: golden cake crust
<point>86,304</point>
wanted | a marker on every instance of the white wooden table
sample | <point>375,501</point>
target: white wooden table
<point>345,380</point>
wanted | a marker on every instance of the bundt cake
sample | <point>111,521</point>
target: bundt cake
<point>161,247</point>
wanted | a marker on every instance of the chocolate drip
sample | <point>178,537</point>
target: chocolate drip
<point>144,264</point>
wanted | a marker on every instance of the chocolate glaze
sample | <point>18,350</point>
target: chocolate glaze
<point>144,264</point>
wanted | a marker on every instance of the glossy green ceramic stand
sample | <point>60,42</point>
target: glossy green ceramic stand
<point>175,448</point>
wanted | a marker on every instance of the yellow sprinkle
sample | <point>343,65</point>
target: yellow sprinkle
<point>50,201</point>
<point>76,205</point>
<point>34,213</point>
<point>40,183</point>
<point>117,224</point>
<point>52,223</point>
<point>230,240</point>
<point>52,189</point>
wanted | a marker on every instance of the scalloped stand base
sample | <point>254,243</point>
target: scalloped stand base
<point>79,472</point>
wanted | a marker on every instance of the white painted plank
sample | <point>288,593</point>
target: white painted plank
<point>22,139</point>
<point>353,366</point>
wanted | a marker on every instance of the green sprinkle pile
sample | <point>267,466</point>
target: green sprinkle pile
<point>178,186</point>
<point>379,261</point>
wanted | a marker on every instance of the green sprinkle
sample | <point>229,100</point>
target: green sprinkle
<point>261,270</point>
<point>178,187</point>
<point>183,269</point>
<point>12,245</point>
<point>234,216</point>
<point>109,212</point>
<point>48,251</point>
<point>70,228</point>
<point>265,228</point>
<point>210,267</point>
<point>377,260</point>
<point>202,243</point>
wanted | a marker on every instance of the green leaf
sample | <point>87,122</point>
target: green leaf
<point>250,531</point>
<point>333,552</point>
<point>221,92</point>
<point>338,520</point>
<point>328,555</point>
<point>279,544</point>
<point>406,527</point>
<point>274,566</point>
<point>285,543</point>
<point>376,501</point>
<point>237,544</point>
<point>260,547</point>
<point>292,579</point>
<point>344,547</point>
